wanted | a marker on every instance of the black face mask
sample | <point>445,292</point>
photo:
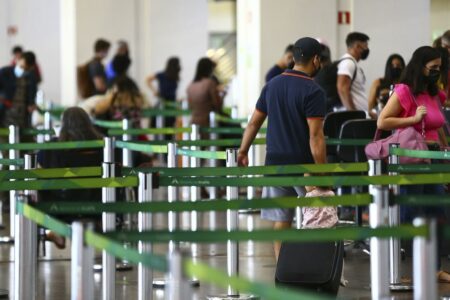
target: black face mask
<point>396,72</point>
<point>433,76</point>
<point>365,54</point>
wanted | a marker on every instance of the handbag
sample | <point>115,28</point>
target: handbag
<point>408,138</point>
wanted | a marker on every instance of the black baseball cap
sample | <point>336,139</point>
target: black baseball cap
<point>307,47</point>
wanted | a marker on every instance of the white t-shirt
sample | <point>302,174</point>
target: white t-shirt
<point>357,90</point>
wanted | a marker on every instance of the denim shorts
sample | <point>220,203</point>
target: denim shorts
<point>280,214</point>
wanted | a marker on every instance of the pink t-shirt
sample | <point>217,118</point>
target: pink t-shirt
<point>433,119</point>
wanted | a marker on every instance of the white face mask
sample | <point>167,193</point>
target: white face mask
<point>18,71</point>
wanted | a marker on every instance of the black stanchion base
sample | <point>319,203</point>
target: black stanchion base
<point>249,211</point>
<point>119,267</point>
<point>401,287</point>
<point>160,283</point>
<point>4,294</point>
<point>6,240</point>
<point>233,297</point>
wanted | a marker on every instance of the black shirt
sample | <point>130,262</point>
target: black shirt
<point>273,72</point>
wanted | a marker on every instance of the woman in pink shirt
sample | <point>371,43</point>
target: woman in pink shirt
<point>417,102</point>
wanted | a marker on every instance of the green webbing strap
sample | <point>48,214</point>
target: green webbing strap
<point>43,219</point>
<point>114,248</point>
<point>33,131</point>
<point>91,207</point>
<point>308,181</point>
<point>51,173</point>
<point>165,112</point>
<point>202,154</point>
<point>425,200</point>
<point>108,124</point>
<point>75,183</point>
<point>4,131</point>
<point>423,168</point>
<point>266,291</point>
<point>142,147</point>
<point>219,143</point>
<point>140,131</point>
<point>267,235</point>
<point>54,145</point>
<point>226,130</point>
<point>55,112</point>
<point>257,170</point>
<point>11,162</point>
<point>347,142</point>
<point>420,153</point>
<point>225,119</point>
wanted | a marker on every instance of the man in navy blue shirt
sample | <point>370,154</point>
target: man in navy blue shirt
<point>295,107</point>
<point>285,62</point>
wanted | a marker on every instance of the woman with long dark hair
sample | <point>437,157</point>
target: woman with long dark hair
<point>379,91</point>
<point>417,101</point>
<point>76,126</point>
<point>203,93</point>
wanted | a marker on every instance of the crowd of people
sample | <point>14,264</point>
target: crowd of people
<point>301,88</point>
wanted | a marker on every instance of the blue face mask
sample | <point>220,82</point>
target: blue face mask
<point>18,71</point>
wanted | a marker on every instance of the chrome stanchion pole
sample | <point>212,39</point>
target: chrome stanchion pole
<point>13,154</point>
<point>195,190</point>
<point>395,281</point>
<point>172,192</point>
<point>232,246</point>
<point>212,162</point>
<point>145,275</point>
<point>185,120</point>
<point>108,223</point>
<point>379,248</point>
<point>127,161</point>
<point>424,262</point>
<point>234,112</point>
<point>25,246</point>
<point>178,287</point>
<point>82,275</point>
<point>47,125</point>
<point>160,120</point>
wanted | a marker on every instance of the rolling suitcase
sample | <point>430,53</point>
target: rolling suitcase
<point>314,266</point>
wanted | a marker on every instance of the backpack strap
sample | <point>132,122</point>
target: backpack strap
<point>356,66</point>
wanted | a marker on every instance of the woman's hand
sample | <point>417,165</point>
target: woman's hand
<point>421,112</point>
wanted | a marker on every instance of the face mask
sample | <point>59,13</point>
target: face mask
<point>18,71</point>
<point>396,72</point>
<point>365,54</point>
<point>433,76</point>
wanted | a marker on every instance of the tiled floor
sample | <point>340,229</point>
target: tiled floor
<point>256,263</point>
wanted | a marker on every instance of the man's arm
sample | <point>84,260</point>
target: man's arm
<point>317,140</point>
<point>343,85</point>
<point>100,84</point>
<point>250,133</point>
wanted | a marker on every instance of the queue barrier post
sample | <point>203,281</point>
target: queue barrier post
<point>47,124</point>
<point>108,222</point>
<point>395,281</point>
<point>145,275</point>
<point>194,163</point>
<point>379,248</point>
<point>82,262</point>
<point>425,262</point>
<point>212,162</point>
<point>13,138</point>
<point>177,287</point>
<point>127,161</point>
<point>25,246</point>
<point>185,120</point>
<point>232,225</point>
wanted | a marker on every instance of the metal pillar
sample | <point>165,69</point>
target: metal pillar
<point>82,274</point>
<point>395,281</point>
<point>213,162</point>
<point>145,275</point>
<point>25,246</point>
<point>127,161</point>
<point>379,248</point>
<point>232,246</point>
<point>13,154</point>
<point>424,262</point>
<point>178,287</point>
<point>108,223</point>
